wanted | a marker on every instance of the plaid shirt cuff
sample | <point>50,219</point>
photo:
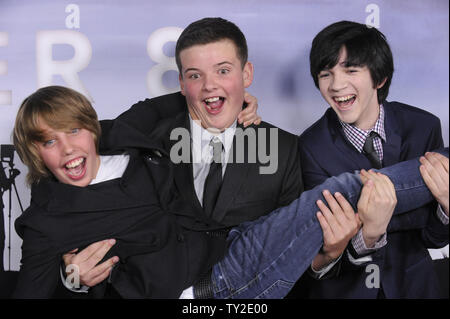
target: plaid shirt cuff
<point>441,215</point>
<point>360,246</point>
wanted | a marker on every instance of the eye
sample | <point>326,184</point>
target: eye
<point>49,143</point>
<point>194,76</point>
<point>224,71</point>
<point>74,130</point>
<point>323,75</point>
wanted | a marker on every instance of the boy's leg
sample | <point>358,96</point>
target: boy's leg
<point>266,257</point>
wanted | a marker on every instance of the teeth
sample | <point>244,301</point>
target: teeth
<point>212,99</point>
<point>343,98</point>
<point>75,163</point>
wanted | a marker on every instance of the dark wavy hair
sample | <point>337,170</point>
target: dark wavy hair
<point>366,46</point>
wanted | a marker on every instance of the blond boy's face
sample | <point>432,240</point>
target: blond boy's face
<point>70,155</point>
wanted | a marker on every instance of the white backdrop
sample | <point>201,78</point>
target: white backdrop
<point>119,52</point>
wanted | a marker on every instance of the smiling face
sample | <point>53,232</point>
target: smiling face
<point>213,81</point>
<point>70,155</point>
<point>349,90</point>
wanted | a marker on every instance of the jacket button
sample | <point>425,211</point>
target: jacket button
<point>180,238</point>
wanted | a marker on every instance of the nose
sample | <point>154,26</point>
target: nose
<point>209,83</point>
<point>65,145</point>
<point>338,82</point>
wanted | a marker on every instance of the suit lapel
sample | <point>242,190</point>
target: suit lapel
<point>183,171</point>
<point>235,175</point>
<point>341,143</point>
<point>392,146</point>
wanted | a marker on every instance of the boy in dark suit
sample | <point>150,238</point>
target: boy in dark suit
<point>214,72</point>
<point>352,66</point>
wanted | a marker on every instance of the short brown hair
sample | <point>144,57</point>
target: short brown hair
<point>59,107</point>
<point>210,30</point>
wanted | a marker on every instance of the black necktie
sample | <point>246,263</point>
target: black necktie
<point>213,181</point>
<point>370,152</point>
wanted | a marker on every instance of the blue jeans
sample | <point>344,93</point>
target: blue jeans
<point>267,256</point>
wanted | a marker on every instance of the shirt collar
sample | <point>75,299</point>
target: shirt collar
<point>201,137</point>
<point>357,136</point>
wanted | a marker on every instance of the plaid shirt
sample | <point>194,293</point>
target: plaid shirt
<point>357,138</point>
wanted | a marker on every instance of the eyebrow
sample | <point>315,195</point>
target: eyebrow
<point>216,65</point>
<point>224,62</point>
<point>190,69</point>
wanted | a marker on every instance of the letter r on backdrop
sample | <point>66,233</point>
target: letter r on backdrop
<point>68,69</point>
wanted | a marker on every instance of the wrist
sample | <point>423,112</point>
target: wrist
<point>321,260</point>
<point>372,236</point>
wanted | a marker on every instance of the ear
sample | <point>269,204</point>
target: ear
<point>248,74</point>
<point>180,79</point>
<point>379,86</point>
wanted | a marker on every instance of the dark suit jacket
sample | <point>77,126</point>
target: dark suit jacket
<point>405,264</point>
<point>156,254</point>
<point>245,193</point>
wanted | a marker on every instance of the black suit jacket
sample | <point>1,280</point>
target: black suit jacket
<point>405,265</point>
<point>156,254</point>
<point>245,194</point>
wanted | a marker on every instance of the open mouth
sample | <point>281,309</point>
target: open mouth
<point>344,101</point>
<point>214,104</point>
<point>76,168</point>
